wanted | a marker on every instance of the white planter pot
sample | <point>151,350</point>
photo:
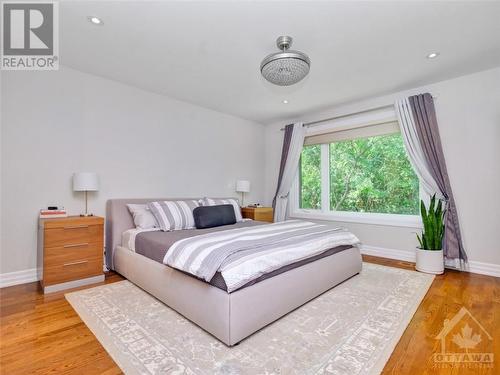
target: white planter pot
<point>430,261</point>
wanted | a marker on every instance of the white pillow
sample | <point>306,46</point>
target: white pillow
<point>216,202</point>
<point>174,215</point>
<point>143,217</point>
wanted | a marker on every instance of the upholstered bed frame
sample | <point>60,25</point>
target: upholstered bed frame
<point>228,316</point>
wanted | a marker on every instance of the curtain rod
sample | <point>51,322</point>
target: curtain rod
<point>312,123</point>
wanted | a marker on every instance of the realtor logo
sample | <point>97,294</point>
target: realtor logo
<point>464,343</point>
<point>30,39</point>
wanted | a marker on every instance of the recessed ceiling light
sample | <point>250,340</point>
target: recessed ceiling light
<point>433,55</point>
<point>285,101</point>
<point>95,20</point>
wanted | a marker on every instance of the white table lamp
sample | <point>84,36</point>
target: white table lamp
<point>242,186</point>
<point>85,181</point>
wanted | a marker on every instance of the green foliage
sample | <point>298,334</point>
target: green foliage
<point>366,175</point>
<point>432,236</point>
<point>310,177</point>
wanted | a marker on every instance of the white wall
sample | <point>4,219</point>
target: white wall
<point>468,112</point>
<point>141,145</point>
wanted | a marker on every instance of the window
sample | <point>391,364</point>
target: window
<point>372,175</point>
<point>357,171</point>
<point>310,177</point>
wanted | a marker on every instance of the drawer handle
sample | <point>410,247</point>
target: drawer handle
<point>76,226</point>
<point>76,245</point>
<point>75,263</point>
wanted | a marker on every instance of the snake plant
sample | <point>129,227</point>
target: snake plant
<point>432,235</point>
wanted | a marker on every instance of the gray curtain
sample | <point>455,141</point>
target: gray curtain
<point>414,149</point>
<point>290,155</point>
<point>427,129</point>
<point>287,138</point>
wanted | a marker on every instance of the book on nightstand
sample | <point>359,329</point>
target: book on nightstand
<point>46,213</point>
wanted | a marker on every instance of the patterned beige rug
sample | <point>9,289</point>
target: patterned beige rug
<point>351,329</point>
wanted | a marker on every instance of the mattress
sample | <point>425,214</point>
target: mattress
<point>154,244</point>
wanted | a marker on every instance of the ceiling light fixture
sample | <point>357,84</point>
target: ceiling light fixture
<point>285,101</point>
<point>287,67</point>
<point>95,20</point>
<point>433,55</point>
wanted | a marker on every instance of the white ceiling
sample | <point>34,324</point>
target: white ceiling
<point>208,53</point>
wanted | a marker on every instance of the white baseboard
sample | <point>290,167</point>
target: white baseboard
<point>489,269</point>
<point>408,256</point>
<point>18,277</point>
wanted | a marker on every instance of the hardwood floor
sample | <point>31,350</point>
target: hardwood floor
<point>41,334</point>
<point>448,294</point>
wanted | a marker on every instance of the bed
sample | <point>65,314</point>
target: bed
<point>229,316</point>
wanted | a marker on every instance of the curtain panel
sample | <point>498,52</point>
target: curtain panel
<point>414,149</point>
<point>426,124</point>
<point>419,128</point>
<point>293,143</point>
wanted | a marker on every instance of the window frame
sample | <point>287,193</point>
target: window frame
<point>397,220</point>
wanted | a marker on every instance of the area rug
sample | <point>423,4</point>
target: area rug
<point>351,329</point>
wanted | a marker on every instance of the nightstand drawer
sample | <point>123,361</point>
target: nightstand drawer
<point>73,235</point>
<point>258,213</point>
<point>264,215</point>
<point>72,270</point>
<point>71,253</point>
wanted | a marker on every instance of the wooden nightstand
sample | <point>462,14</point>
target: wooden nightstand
<point>258,213</point>
<point>70,252</point>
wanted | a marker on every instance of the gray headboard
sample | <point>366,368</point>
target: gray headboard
<point>119,219</point>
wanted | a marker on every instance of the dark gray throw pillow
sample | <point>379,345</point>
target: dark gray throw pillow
<point>214,216</point>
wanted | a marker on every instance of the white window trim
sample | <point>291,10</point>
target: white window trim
<point>395,220</point>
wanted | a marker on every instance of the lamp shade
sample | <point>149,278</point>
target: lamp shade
<point>85,181</point>
<point>242,186</point>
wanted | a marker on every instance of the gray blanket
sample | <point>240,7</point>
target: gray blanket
<point>154,245</point>
<point>242,255</point>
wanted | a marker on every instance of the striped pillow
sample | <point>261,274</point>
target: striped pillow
<point>217,202</point>
<point>174,215</point>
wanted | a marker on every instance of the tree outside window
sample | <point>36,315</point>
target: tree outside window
<point>370,174</point>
